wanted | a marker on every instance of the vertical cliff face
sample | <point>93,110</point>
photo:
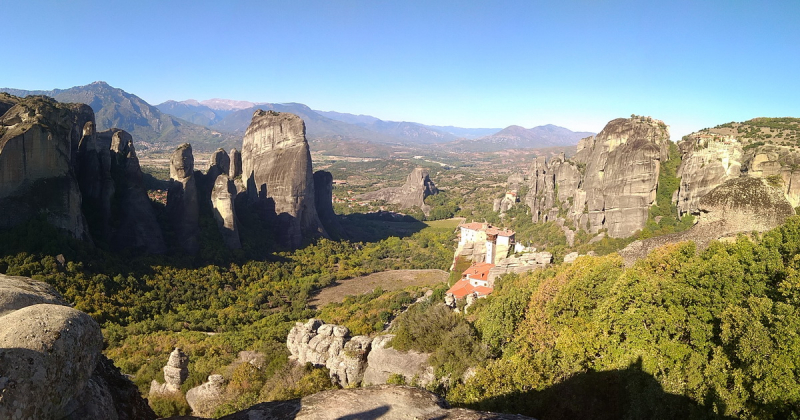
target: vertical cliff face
<point>38,156</point>
<point>182,201</point>
<point>136,225</point>
<point>707,162</point>
<point>223,198</point>
<point>611,181</point>
<point>276,164</point>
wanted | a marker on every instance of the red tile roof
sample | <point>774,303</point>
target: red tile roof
<point>478,271</point>
<point>489,229</point>
<point>473,226</point>
<point>462,288</point>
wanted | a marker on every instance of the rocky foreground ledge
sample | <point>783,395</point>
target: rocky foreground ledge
<point>385,402</point>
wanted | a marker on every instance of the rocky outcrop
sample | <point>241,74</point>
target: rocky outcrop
<point>331,346</point>
<point>520,264</point>
<point>236,164</point>
<point>175,373</point>
<point>182,201</point>
<point>276,164</point>
<point>204,399</point>
<point>609,184</point>
<point>53,163</point>
<point>706,163</point>
<point>323,199</point>
<point>387,402</point>
<point>220,163</point>
<point>38,156</point>
<point>136,223</point>
<point>418,185</point>
<point>739,205</point>
<point>775,162</point>
<point>51,366</point>
<point>383,361</point>
<point>223,198</point>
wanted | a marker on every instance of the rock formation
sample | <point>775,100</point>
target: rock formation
<point>51,361</point>
<point>54,163</point>
<point>387,402</point>
<point>276,164</point>
<point>384,361</point>
<point>739,205</point>
<point>205,398</point>
<point>38,154</point>
<point>137,226</point>
<point>411,194</point>
<point>520,264</point>
<point>223,198</point>
<point>175,373</point>
<point>331,346</point>
<point>611,181</point>
<point>182,201</point>
<point>705,164</point>
<point>219,164</point>
<point>236,164</point>
<point>323,199</point>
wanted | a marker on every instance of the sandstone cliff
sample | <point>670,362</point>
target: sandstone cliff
<point>276,164</point>
<point>38,154</point>
<point>418,185</point>
<point>223,198</point>
<point>705,164</point>
<point>323,199</point>
<point>739,205</point>
<point>182,202</point>
<point>51,366</point>
<point>609,184</point>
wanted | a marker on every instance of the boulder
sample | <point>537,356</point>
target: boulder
<point>205,398</point>
<point>50,360</point>
<point>384,361</point>
<point>223,198</point>
<point>276,164</point>
<point>182,201</point>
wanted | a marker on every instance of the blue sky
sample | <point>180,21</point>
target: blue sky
<point>577,64</point>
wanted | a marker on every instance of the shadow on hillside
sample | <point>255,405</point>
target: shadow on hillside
<point>618,394</point>
<point>374,227</point>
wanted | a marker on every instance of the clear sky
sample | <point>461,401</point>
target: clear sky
<point>576,64</point>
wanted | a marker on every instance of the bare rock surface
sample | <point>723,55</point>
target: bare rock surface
<point>520,264</point>
<point>223,202</point>
<point>383,361</point>
<point>331,346</point>
<point>323,200</point>
<point>386,402</point>
<point>38,155</point>
<point>276,165</point>
<point>236,164</point>
<point>739,205</point>
<point>418,185</point>
<point>205,398</point>
<point>50,361</point>
<point>706,164</point>
<point>611,181</point>
<point>175,373</point>
<point>182,202</point>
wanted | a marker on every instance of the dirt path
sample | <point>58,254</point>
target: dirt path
<point>388,280</point>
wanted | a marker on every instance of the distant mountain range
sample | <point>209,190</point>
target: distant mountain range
<point>150,127</point>
<point>217,122</point>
